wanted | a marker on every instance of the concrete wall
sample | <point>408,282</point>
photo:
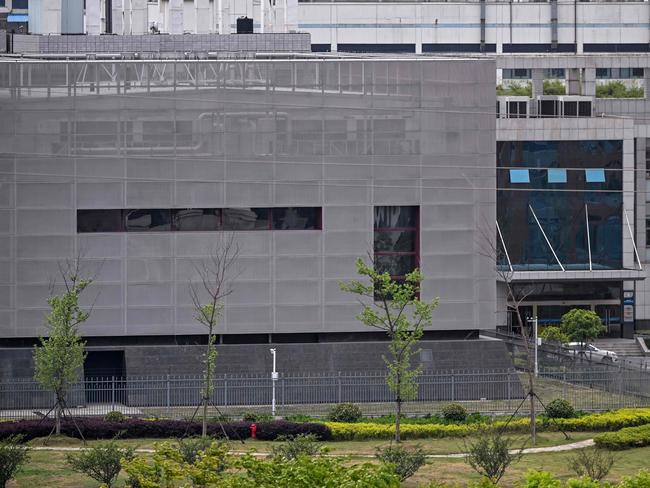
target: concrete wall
<point>294,358</point>
<point>256,142</point>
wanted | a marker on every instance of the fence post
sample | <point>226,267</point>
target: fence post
<point>169,393</point>
<point>339,388</point>
<point>113,393</point>
<point>453,387</point>
<point>225,390</point>
<point>509,390</point>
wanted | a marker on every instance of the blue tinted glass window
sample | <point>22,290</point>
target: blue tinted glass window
<point>557,175</point>
<point>519,176</point>
<point>595,175</point>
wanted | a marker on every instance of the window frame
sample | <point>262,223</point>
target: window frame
<point>415,230</point>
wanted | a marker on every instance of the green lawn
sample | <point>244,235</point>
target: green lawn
<point>48,468</point>
<point>349,448</point>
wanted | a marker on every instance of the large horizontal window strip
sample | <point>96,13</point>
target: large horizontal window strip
<point>198,219</point>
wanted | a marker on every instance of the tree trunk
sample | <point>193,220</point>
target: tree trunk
<point>57,418</point>
<point>398,418</point>
<point>204,428</point>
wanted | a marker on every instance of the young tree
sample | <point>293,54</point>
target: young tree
<point>395,308</point>
<point>59,357</point>
<point>581,325</point>
<point>491,248</point>
<point>215,275</point>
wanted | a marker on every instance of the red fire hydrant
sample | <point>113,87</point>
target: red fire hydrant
<point>254,431</point>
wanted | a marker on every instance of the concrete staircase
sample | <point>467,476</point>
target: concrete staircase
<point>622,347</point>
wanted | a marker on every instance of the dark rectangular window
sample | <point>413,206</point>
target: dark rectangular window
<point>647,232</point>
<point>196,219</point>
<point>246,219</point>
<point>199,219</point>
<point>584,109</point>
<point>296,218</point>
<point>396,240</point>
<point>147,220</point>
<point>570,109</point>
<point>99,220</point>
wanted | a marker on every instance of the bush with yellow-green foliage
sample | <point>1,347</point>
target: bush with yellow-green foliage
<point>362,431</point>
<point>597,422</point>
<point>626,438</point>
<point>215,468</point>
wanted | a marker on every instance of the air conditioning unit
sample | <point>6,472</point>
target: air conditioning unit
<point>513,107</point>
<point>564,106</point>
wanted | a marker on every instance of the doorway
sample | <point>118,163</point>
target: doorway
<point>105,377</point>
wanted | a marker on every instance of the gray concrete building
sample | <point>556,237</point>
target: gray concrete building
<point>141,166</point>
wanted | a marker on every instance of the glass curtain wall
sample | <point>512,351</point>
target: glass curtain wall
<point>560,201</point>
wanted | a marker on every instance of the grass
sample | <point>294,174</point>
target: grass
<point>455,470</point>
<point>48,468</point>
<point>347,448</point>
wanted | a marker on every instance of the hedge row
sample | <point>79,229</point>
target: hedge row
<point>626,417</point>
<point>627,438</point>
<point>588,423</point>
<point>360,431</point>
<point>95,428</point>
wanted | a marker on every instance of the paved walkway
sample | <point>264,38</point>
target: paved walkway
<point>532,450</point>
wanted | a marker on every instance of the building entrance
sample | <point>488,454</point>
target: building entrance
<point>550,301</point>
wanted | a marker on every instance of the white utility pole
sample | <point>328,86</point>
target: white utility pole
<point>274,379</point>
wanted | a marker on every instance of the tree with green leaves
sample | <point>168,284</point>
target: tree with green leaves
<point>581,325</point>
<point>395,308</point>
<point>59,357</point>
<point>215,279</point>
<point>554,335</point>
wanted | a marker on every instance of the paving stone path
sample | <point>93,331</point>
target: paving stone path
<point>532,450</point>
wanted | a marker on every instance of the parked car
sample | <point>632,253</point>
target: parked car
<point>591,352</point>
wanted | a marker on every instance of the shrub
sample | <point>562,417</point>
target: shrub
<point>345,412</point>
<point>490,455</point>
<point>190,447</point>
<point>641,480</point>
<point>365,431</point>
<point>166,468</point>
<point>625,438</point>
<point>560,409</point>
<point>115,416</point>
<point>515,89</point>
<point>584,482</point>
<point>249,417</point>
<point>300,445</point>
<point>270,431</point>
<point>13,454</point>
<point>618,89</point>
<point>454,412</point>
<point>539,479</point>
<point>594,463</point>
<point>404,461</point>
<point>93,428</point>
<point>101,462</point>
<point>608,421</point>
<point>554,87</point>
